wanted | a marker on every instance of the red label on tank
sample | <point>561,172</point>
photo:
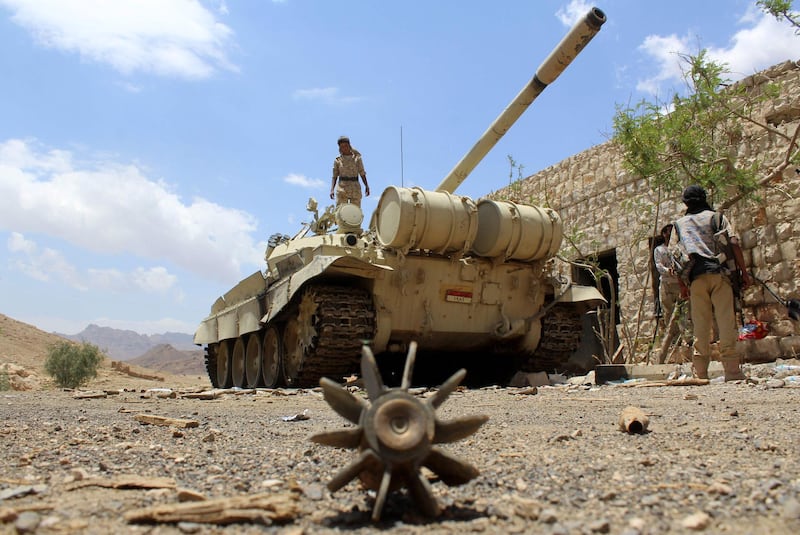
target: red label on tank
<point>458,296</point>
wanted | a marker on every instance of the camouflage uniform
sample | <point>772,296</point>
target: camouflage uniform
<point>347,168</point>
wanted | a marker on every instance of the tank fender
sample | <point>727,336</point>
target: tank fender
<point>280,295</point>
<point>577,294</point>
<point>207,332</point>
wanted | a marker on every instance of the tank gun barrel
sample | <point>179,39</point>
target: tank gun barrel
<point>558,60</point>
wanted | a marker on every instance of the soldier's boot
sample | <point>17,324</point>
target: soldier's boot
<point>700,366</point>
<point>732,369</point>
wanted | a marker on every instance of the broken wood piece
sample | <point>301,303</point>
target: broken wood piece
<point>125,482</point>
<point>206,394</point>
<point>263,508</point>
<point>688,381</point>
<point>90,394</point>
<point>163,420</point>
<point>633,420</point>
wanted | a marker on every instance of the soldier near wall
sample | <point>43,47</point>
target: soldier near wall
<point>710,290</point>
<point>347,168</point>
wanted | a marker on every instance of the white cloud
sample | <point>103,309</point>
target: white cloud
<point>110,208</point>
<point>154,280</point>
<point>42,264</point>
<point>304,181</point>
<point>761,43</point>
<point>573,12</point>
<point>765,43</point>
<point>46,264</point>
<point>665,51</point>
<point>165,37</point>
<point>324,94</point>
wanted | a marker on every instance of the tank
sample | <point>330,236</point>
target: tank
<point>470,281</point>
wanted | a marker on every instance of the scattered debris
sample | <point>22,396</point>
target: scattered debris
<point>687,381</point>
<point>264,508</point>
<point>90,394</point>
<point>125,482</point>
<point>161,393</point>
<point>23,490</point>
<point>163,420</point>
<point>127,370</point>
<point>297,417</point>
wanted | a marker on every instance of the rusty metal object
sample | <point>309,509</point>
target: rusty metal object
<point>397,435</point>
<point>633,420</point>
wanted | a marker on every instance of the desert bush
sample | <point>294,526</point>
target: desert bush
<point>72,365</point>
<point>5,380</point>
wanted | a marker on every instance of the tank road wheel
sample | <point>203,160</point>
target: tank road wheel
<point>252,360</point>
<point>224,365</point>
<point>237,363</point>
<point>323,337</point>
<point>293,352</point>
<point>271,357</point>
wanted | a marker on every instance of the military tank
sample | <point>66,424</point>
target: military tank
<point>460,278</point>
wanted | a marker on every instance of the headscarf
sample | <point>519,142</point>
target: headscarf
<point>694,197</point>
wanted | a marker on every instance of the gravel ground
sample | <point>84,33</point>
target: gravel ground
<point>720,458</point>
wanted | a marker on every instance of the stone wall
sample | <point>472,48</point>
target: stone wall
<point>611,213</point>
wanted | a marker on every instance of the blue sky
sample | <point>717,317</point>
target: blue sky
<point>148,148</point>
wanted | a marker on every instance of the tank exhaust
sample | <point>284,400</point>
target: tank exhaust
<point>558,60</point>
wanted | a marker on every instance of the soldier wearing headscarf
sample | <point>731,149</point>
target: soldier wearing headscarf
<point>710,291</point>
<point>347,168</point>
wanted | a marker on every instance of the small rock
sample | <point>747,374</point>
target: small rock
<point>548,516</point>
<point>7,514</point>
<point>791,509</point>
<point>27,522</point>
<point>637,523</point>
<point>189,495</point>
<point>313,492</point>
<point>720,488</point>
<point>189,527</point>
<point>526,508</point>
<point>697,521</point>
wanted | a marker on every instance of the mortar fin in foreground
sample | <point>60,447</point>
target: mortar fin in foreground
<point>395,436</point>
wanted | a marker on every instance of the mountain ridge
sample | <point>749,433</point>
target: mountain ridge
<point>123,344</point>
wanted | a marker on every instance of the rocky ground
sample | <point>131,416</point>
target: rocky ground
<point>719,458</point>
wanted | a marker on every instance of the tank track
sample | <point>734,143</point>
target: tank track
<point>561,336</point>
<point>211,364</point>
<point>344,319</point>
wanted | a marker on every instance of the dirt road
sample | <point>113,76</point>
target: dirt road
<point>720,458</point>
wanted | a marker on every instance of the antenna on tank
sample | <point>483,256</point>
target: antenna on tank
<point>402,184</point>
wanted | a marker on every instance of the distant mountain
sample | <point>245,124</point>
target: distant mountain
<point>122,344</point>
<point>166,358</point>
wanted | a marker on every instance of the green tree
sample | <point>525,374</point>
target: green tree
<point>695,139</point>
<point>781,10</point>
<point>72,365</point>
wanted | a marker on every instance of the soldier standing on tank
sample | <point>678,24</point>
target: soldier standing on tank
<point>347,167</point>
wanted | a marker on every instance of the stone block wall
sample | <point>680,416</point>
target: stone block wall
<point>606,210</point>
